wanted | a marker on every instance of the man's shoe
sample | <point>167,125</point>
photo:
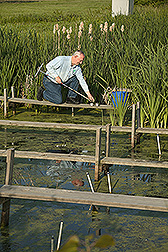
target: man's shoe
<point>72,100</point>
<point>40,93</point>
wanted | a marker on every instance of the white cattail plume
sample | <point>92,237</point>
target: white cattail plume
<point>63,29</point>
<point>81,26</point>
<point>105,26</point>
<point>101,27</point>
<point>122,28</point>
<point>79,34</point>
<point>54,29</point>
<point>70,29</point>
<point>68,34</point>
<point>90,29</point>
<point>112,27</point>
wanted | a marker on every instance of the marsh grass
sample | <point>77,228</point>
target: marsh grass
<point>132,55</point>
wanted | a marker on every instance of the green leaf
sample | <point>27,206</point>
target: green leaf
<point>105,241</point>
<point>71,245</point>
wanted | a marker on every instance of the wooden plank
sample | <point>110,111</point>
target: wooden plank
<point>62,125</point>
<point>134,162</point>
<point>36,102</point>
<point>152,130</point>
<point>50,156</point>
<point>49,125</point>
<point>86,158</point>
<point>81,197</point>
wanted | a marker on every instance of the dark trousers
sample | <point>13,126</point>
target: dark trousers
<point>53,90</point>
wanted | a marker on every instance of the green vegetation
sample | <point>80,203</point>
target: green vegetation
<point>124,52</point>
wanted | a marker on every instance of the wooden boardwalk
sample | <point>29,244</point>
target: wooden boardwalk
<point>62,125</point>
<point>83,197</point>
<point>50,156</point>
<point>134,162</point>
<point>86,158</point>
<point>47,103</point>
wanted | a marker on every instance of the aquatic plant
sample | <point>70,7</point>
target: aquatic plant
<point>127,52</point>
<point>73,244</point>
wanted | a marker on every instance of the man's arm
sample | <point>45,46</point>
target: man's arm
<point>83,84</point>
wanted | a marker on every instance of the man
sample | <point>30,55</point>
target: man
<point>64,69</point>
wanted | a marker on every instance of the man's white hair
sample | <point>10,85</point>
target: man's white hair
<point>78,53</point>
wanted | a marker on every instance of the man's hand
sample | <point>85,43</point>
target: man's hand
<point>90,96</point>
<point>58,80</point>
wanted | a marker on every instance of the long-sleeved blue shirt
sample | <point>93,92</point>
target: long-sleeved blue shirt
<point>61,66</point>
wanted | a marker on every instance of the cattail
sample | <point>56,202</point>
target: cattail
<point>101,27</point>
<point>105,26</point>
<point>54,29</point>
<point>81,26</point>
<point>63,29</point>
<point>90,29</point>
<point>79,34</point>
<point>68,34</point>
<point>122,28</point>
<point>70,29</point>
<point>112,27</point>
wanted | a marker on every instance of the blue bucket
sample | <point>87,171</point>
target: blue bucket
<point>117,96</point>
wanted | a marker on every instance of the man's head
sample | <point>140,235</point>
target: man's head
<point>77,58</point>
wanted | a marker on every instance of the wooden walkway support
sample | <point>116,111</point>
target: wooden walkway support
<point>8,181</point>
<point>15,100</point>
<point>81,197</point>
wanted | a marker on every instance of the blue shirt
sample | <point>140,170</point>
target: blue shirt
<point>61,66</point>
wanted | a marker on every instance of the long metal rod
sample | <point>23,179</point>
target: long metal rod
<point>59,237</point>
<point>53,80</point>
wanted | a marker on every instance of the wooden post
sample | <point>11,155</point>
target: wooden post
<point>138,121</point>
<point>8,181</point>
<point>5,102</point>
<point>108,131</point>
<point>13,96</point>
<point>73,112</point>
<point>97,154</point>
<point>133,127</point>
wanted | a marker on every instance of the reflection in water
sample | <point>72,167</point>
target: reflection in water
<point>144,177</point>
<point>6,245</point>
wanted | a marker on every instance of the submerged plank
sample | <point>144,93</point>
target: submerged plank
<point>81,197</point>
<point>134,162</point>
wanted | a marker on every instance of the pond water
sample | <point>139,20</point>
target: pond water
<point>33,223</point>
